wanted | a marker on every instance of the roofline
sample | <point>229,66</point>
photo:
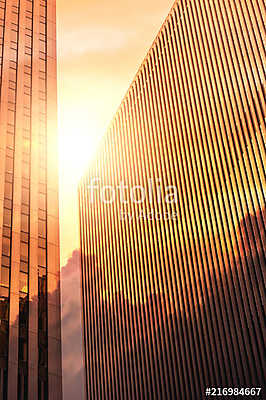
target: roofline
<point>142,64</point>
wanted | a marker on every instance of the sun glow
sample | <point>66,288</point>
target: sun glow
<point>79,137</point>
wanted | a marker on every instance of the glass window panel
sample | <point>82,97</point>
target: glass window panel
<point>27,123</point>
<point>42,290</point>
<point>8,204</point>
<point>24,251</point>
<point>6,247</point>
<point>7,231</point>
<point>23,282</point>
<point>42,228</point>
<point>11,106</point>
<point>26,134</point>
<point>26,145</point>
<point>42,175</point>
<point>26,183</point>
<point>10,153</point>
<point>10,140</point>
<point>24,237</point>
<point>24,267</point>
<point>42,257</point>
<point>42,188</point>
<point>9,164</point>
<point>5,276</point>
<point>11,117</point>
<point>42,272</point>
<point>42,243</point>
<point>5,261</point>
<point>23,309</point>
<point>25,196</point>
<point>23,348</point>
<point>25,170</point>
<point>7,217</point>
<point>4,293</point>
<point>9,177</point>
<point>28,40</point>
<point>26,158</point>
<point>12,74</point>
<point>42,201</point>
<point>42,214</point>
<point>8,190</point>
<point>24,223</point>
<point>25,209</point>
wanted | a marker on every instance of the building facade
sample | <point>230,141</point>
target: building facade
<point>172,215</point>
<point>30,333</point>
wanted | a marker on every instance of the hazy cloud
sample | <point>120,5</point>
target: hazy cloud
<point>95,40</point>
<point>73,375</point>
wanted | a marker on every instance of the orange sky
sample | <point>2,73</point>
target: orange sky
<point>101,45</point>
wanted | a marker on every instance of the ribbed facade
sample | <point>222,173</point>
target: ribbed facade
<point>174,304</point>
<point>30,337</point>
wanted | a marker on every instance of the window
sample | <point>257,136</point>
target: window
<point>24,237</point>
<point>4,294</point>
<point>42,228</point>
<point>7,217</point>
<point>26,145</point>
<point>10,140</point>
<point>26,183</point>
<point>24,267</point>
<point>42,201</point>
<point>8,204</point>
<point>42,257</point>
<point>24,252</point>
<point>6,261</point>
<point>26,157</point>
<point>42,188</point>
<point>25,209</point>
<point>25,195</point>
<point>42,243</point>
<point>42,214</point>
<point>8,190</point>
<point>6,247</point>
<point>9,164</point>
<point>9,177</point>
<point>7,231</point>
<point>42,175</point>
<point>23,282</point>
<point>42,272</point>
<point>25,170</point>
<point>4,276</point>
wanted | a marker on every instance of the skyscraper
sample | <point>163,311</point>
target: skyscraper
<point>172,215</point>
<point>30,337</point>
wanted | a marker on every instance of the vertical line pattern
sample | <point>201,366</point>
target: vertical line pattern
<point>173,306</point>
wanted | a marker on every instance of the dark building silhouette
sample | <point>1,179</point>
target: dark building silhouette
<point>30,337</point>
<point>173,270</point>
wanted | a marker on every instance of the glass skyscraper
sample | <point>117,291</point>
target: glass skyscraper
<point>172,214</point>
<point>30,333</point>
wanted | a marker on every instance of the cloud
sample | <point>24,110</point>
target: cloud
<point>73,373</point>
<point>108,26</point>
<point>94,40</point>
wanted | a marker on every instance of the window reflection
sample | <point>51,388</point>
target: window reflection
<point>4,276</point>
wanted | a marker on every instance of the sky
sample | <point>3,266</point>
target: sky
<point>101,45</point>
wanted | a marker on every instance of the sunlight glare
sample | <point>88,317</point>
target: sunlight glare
<point>79,137</point>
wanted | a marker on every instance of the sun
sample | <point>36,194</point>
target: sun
<point>79,138</point>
